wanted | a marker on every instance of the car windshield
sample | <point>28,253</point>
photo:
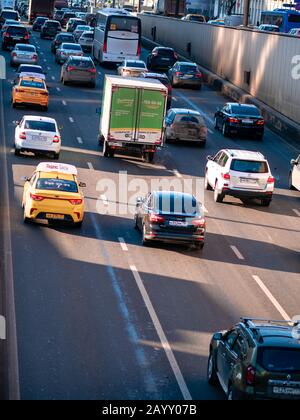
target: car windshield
<point>9,15</point>
<point>55,184</point>
<point>72,47</point>
<point>188,67</point>
<point>245,110</point>
<point>14,30</point>
<point>40,126</point>
<point>177,204</point>
<point>29,48</point>
<point>28,69</point>
<point>32,84</point>
<point>137,64</point>
<point>41,20</point>
<point>279,359</point>
<point>249,166</point>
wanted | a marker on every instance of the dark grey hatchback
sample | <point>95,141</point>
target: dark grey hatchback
<point>170,216</point>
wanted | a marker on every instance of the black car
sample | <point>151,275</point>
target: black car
<point>15,34</point>
<point>66,17</point>
<point>170,216</point>
<point>38,23</point>
<point>6,14</point>
<point>58,15</point>
<point>163,78</point>
<point>76,23</point>
<point>257,359</point>
<point>185,74</point>
<point>60,38</point>
<point>161,58</point>
<point>50,29</point>
<point>236,118</point>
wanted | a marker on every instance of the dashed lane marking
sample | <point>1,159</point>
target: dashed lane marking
<point>123,244</point>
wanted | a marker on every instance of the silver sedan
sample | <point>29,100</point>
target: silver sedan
<point>23,54</point>
<point>66,50</point>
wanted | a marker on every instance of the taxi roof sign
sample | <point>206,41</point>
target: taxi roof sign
<point>62,168</point>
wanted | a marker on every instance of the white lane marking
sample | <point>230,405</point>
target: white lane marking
<point>123,244</point>
<point>297,212</point>
<point>71,119</point>
<point>64,103</point>
<point>89,164</point>
<point>58,89</point>
<point>271,298</point>
<point>174,99</point>
<point>160,332</point>
<point>210,131</point>
<point>52,77</point>
<point>177,173</point>
<point>99,72</point>
<point>45,60</point>
<point>81,151</point>
<point>2,328</point>
<point>48,68</point>
<point>79,139</point>
<point>197,108</point>
<point>237,252</point>
<point>42,53</point>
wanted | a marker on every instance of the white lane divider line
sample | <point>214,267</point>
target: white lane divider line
<point>89,164</point>
<point>71,119</point>
<point>79,139</point>
<point>2,328</point>
<point>297,212</point>
<point>210,131</point>
<point>160,332</point>
<point>52,77</point>
<point>104,199</point>
<point>237,252</point>
<point>41,52</point>
<point>45,60</point>
<point>58,89</point>
<point>274,301</point>
<point>204,208</point>
<point>64,103</point>
<point>123,244</point>
<point>177,173</point>
<point>174,99</point>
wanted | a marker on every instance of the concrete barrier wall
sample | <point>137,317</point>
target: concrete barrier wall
<point>271,63</point>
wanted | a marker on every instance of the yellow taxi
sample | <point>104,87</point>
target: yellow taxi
<point>30,91</point>
<point>53,194</point>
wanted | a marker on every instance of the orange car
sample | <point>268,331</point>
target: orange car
<point>30,91</point>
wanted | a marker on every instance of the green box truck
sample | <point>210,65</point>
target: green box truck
<point>132,116</point>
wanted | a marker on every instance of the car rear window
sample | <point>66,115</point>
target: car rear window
<point>165,52</point>
<point>28,69</point>
<point>188,119</point>
<point>88,36</point>
<point>187,67</point>
<point>41,19</point>
<point>56,185</point>
<point>66,38</point>
<point>10,15</point>
<point>73,47</point>
<point>69,15</point>
<point>250,166</point>
<point>83,64</point>
<point>32,84</point>
<point>135,64</point>
<point>53,24</point>
<point>40,126</point>
<point>279,359</point>
<point>29,48</point>
<point>177,204</point>
<point>14,30</point>
<point>245,110</point>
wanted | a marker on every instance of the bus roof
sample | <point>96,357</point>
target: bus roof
<point>283,11</point>
<point>108,11</point>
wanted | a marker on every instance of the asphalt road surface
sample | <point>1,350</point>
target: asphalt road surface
<point>90,313</point>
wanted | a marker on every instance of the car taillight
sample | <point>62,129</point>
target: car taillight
<point>6,34</point>
<point>105,47</point>
<point>233,120</point>
<point>20,90</point>
<point>271,180</point>
<point>178,73</point>
<point>156,218</point>
<point>26,36</point>
<point>92,70</point>
<point>36,197</point>
<point>44,93</point>
<point>260,122</point>
<point>250,375</point>
<point>70,68</point>
<point>22,136</point>
<point>139,50</point>
<point>34,57</point>
<point>56,139</point>
<point>225,176</point>
<point>199,75</point>
<point>199,223</point>
<point>14,54</point>
<point>76,201</point>
<point>175,55</point>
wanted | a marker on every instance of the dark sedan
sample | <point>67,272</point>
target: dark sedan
<point>236,118</point>
<point>60,38</point>
<point>170,216</point>
<point>185,74</point>
<point>38,23</point>
<point>161,58</point>
<point>163,78</point>
<point>50,29</point>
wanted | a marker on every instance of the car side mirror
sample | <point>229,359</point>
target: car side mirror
<point>294,162</point>
<point>82,184</point>
<point>139,200</point>
<point>25,178</point>
<point>16,122</point>
<point>218,337</point>
<point>209,157</point>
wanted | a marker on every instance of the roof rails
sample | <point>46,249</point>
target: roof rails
<point>250,322</point>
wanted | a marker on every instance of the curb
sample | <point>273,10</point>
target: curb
<point>275,121</point>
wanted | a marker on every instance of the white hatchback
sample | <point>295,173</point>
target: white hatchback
<point>294,176</point>
<point>239,173</point>
<point>39,135</point>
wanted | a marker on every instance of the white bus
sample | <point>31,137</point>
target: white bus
<point>117,36</point>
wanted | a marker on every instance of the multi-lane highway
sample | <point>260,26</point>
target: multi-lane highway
<point>91,314</point>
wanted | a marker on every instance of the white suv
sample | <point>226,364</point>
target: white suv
<point>241,174</point>
<point>37,135</point>
<point>294,177</point>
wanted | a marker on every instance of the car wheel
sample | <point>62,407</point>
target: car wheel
<point>17,152</point>
<point>199,246</point>
<point>4,48</point>
<point>145,241</point>
<point>260,136</point>
<point>291,186</point>
<point>136,226</point>
<point>202,143</point>
<point>173,82</point>
<point>25,219</point>
<point>12,64</point>
<point>45,108</point>
<point>149,157</point>
<point>212,377</point>
<point>56,156</point>
<point>93,85</point>
<point>107,152</point>
<point>78,224</point>
<point>218,197</point>
<point>224,130</point>
<point>64,82</point>
<point>207,184</point>
<point>216,123</point>
<point>230,395</point>
<point>265,202</point>
<point>14,105</point>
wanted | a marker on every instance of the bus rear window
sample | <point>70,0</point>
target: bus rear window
<point>272,20</point>
<point>294,18</point>
<point>124,24</point>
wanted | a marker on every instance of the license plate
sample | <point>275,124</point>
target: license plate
<point>247,121</point>
<point>188,76</point>
<point>248,181</point>
<point>177,223</point>
<point>286,391</point>
<point>39,138</point>
<point>165,59</point>
<point>17,38</point>
<point>55,216</point>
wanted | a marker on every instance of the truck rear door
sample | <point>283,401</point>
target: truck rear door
<point>151,113</point>
<point>123,114</point>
